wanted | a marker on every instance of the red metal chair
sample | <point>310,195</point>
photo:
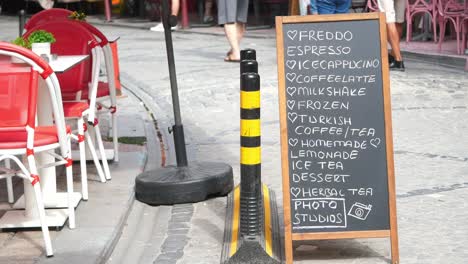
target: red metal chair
<point>416,7</point>
<point>453,11</point>
<point>19,134</point>
<point>47,15</point>
<point>106,95</point>
<point>82,77</point>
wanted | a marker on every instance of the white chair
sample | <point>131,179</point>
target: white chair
<point>82,77</point>
<point>19,134</point>
<point>106,94</point>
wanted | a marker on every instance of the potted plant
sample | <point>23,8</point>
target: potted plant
<point>20,41</point>
<point>75,15</point>
<point>40,41</point>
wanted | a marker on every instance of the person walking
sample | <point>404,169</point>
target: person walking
<point>395,16</point>
<point>232,14</point>
<point>175,4</point>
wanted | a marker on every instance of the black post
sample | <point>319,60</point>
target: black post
<point>248,61</point>
<point>248,54</point>
<point>251,215</point>
<point>248,66</point>
<point>177,129</point>
<point>21,22</point>
<point>251,219</point>
<point>184,183</point>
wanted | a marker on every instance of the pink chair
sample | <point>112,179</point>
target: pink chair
<point>76,80</point>
<point>19,134</point>
<point>106,94</point>
<point>464,28</point>
<point>453,11</point>
<point>416,7</point>
<point>372,6</point>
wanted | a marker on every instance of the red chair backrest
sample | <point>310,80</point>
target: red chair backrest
<point>18,97</point>
<point>95,31</point>
<point>46,16</point>
<point>71,39</point>
<point>59,14</point>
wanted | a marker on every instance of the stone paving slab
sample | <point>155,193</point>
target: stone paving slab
<point>429,120</point>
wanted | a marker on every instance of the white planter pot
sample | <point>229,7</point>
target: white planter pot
<point>41,48</point>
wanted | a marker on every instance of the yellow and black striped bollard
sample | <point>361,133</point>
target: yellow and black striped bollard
<point>251,220</point>
<point>252,226</point>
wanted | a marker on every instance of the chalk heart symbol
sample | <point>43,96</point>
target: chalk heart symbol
<point>291,104</point>
<point>291,90</point>
<point>292,34</point>
<point>295,191</point>
<point>290,76</point>
<point>292,117</point>
<point>375,142</point>
<point>293,142</point>
<point>291,64</point>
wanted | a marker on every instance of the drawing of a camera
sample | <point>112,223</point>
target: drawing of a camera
<point>360,211</point>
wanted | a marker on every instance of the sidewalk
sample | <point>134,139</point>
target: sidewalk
<point>429,117</point>
<point>429,114</point>
<point>100,219</point>
<point>421,50</point>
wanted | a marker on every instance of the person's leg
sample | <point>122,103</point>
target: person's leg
<point>232,37</point>
<point>399,27</point>
<point>175,4</point>
<point>394,40</point>
<point>227,12</point>
<point>400,15</point>
<point>393,37</point>
<point>175,7</point>
<point>240,30</point>
<point>208,7</point>
<point>399,6</point>
<point>241,18</point>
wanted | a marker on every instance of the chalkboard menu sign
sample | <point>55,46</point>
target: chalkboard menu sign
<point>337,153</point>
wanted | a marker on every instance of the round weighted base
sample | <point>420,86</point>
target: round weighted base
<point>175,185</point>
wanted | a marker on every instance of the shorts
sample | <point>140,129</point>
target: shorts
<point>232,11</point>
<point>333,6</point>
<point>394,10</point>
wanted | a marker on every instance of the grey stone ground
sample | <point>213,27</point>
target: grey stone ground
<point>429,120</point>
<point>429,124</point>
<point>98,220</point>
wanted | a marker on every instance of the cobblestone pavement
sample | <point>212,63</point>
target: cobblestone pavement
<point>430,117</point>
<point>429,122</point>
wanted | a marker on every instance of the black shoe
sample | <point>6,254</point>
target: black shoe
<point>391,59</point>
<point>397,66</point>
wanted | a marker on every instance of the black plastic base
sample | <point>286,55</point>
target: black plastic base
<point>251,252</point>
<point>264,248</point>
<point>175,185</point>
